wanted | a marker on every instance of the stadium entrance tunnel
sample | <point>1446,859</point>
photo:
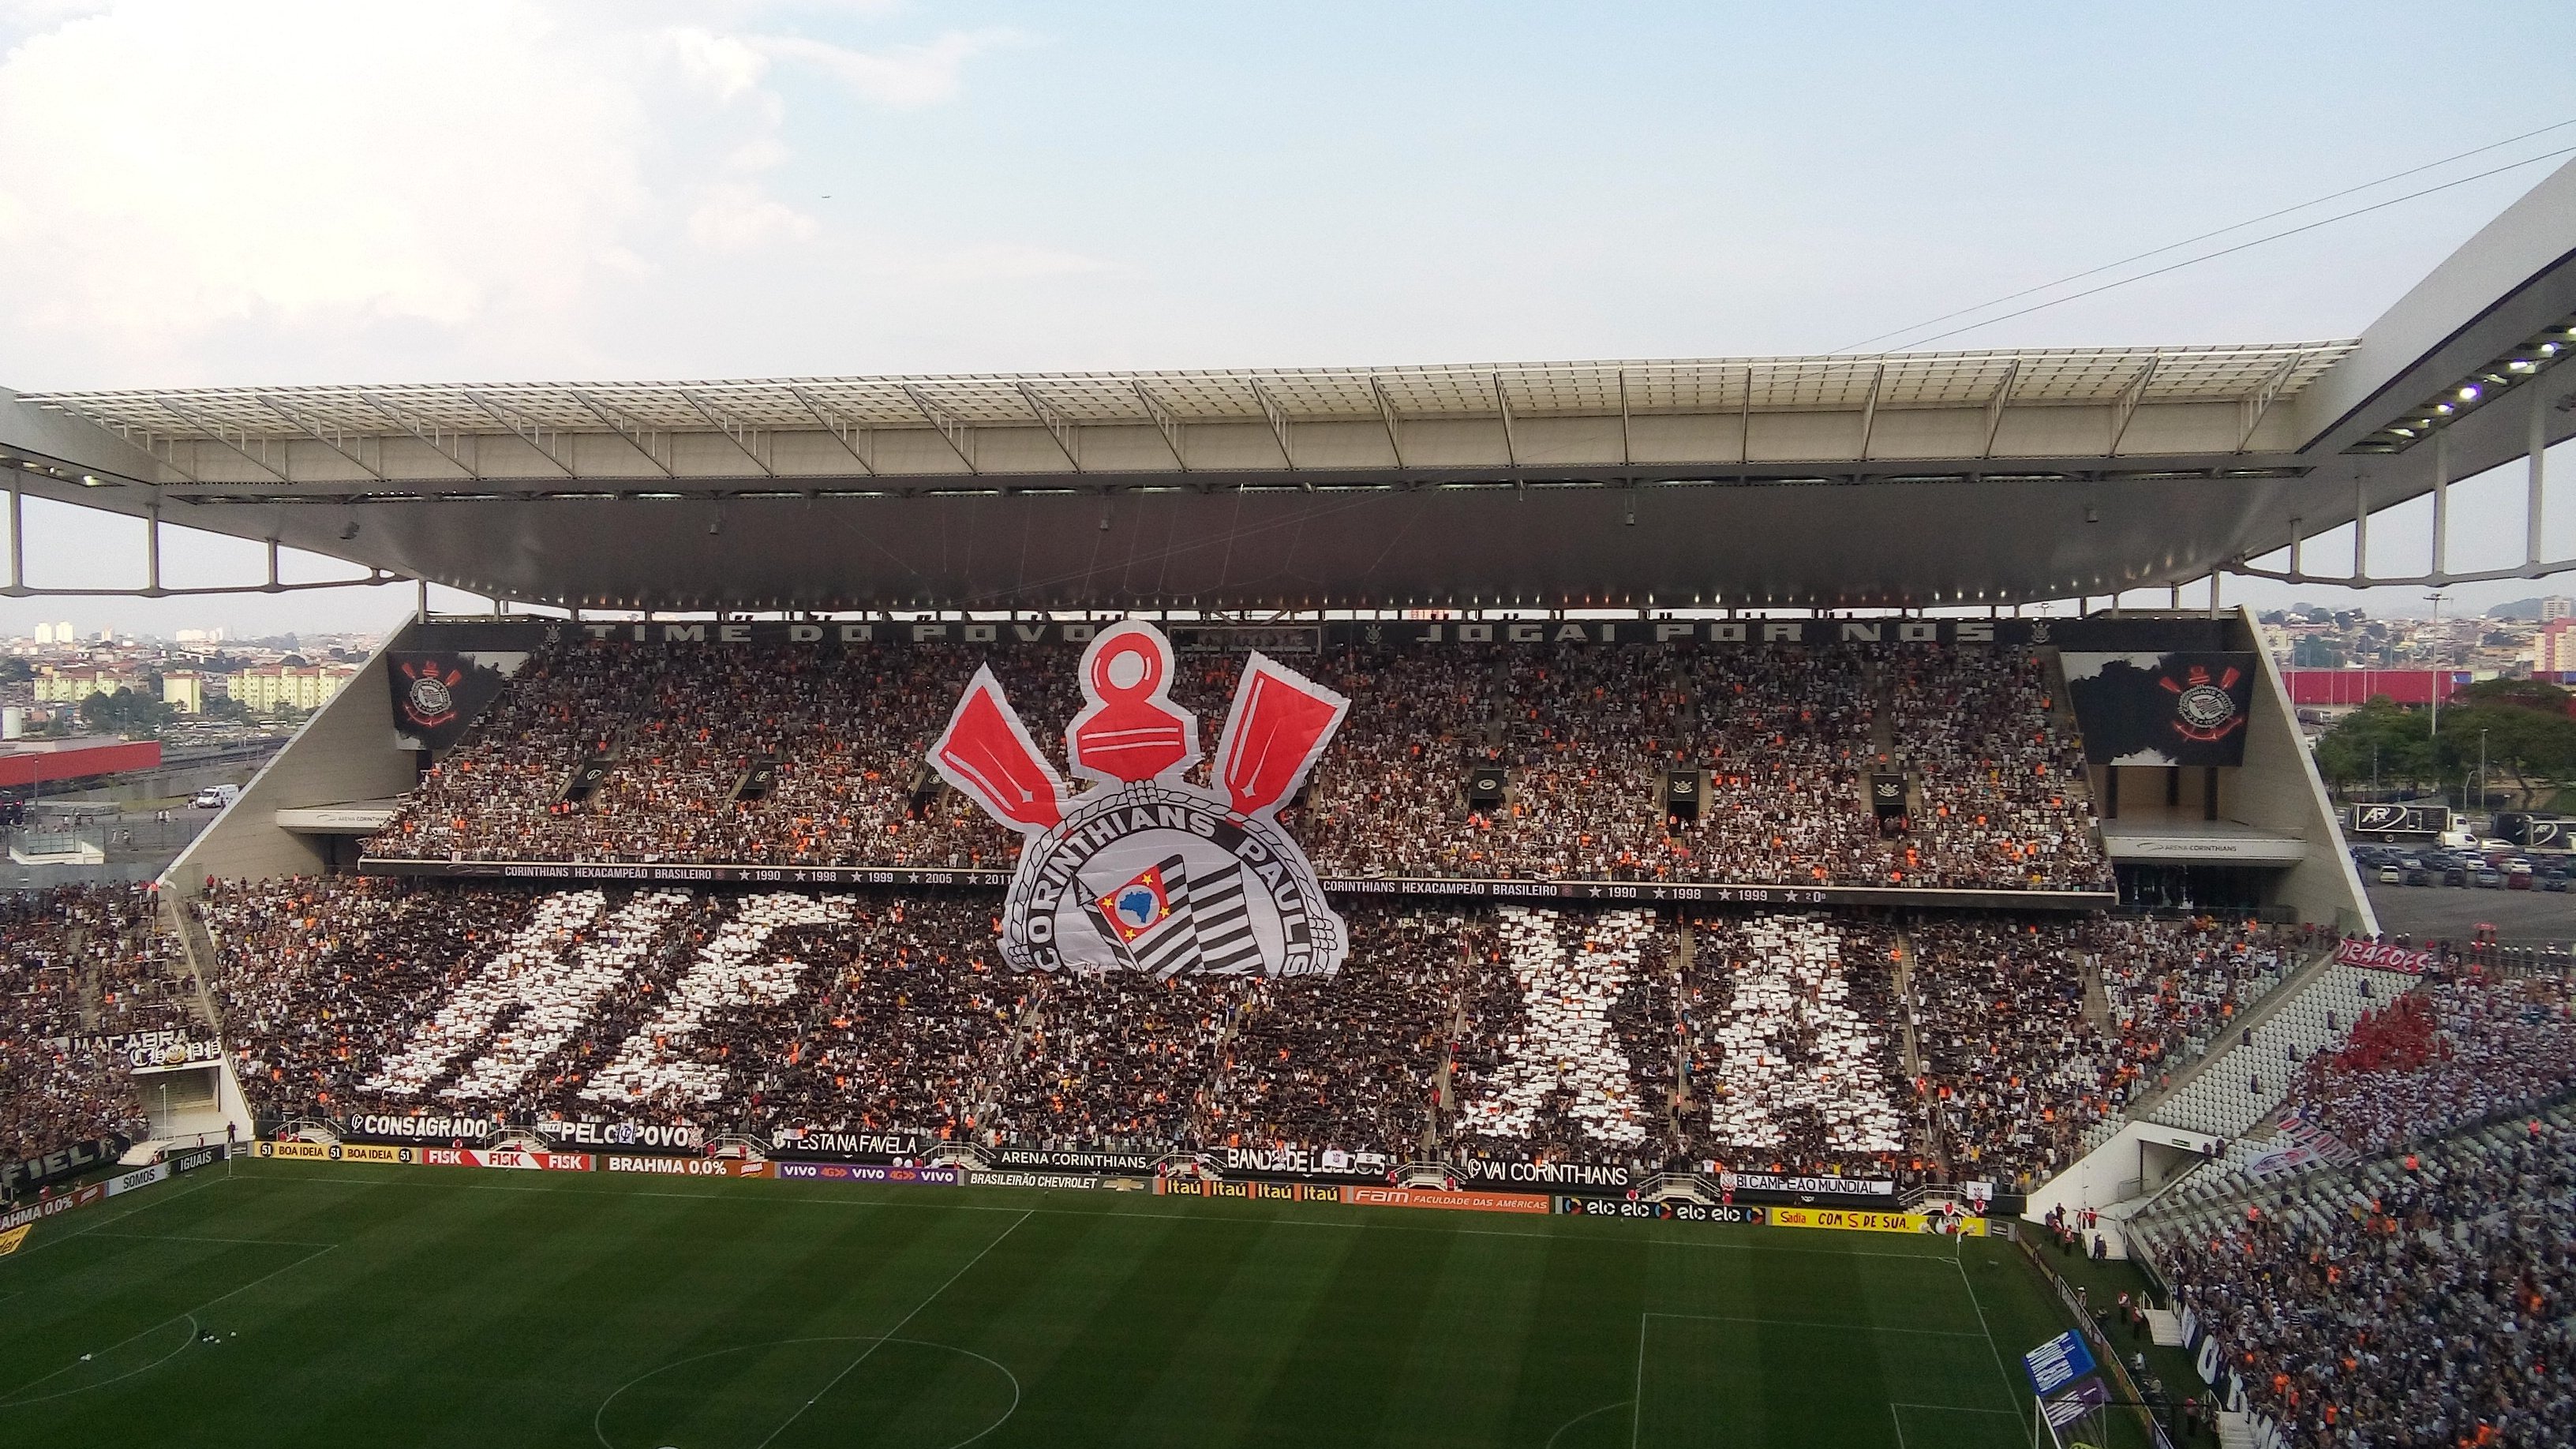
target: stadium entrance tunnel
<point>892,1393</point>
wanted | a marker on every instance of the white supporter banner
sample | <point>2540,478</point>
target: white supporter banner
<point>1567,1041</point>
<point>1798,980</point>
<point>470,1013</point>
<point>735,972</point>
<point>556,997</point>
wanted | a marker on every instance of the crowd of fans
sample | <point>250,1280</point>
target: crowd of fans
<point>81,969</point>
<point>1979,1046</point>
<point>2031,1031</point>
<point>1794,1044</point>
<point>1545,1070</point>
<point>1788,737</point>
<point>2444,1056</point>
<point>2421,1304</point>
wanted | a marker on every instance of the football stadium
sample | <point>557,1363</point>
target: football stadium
<point>1554,905</point>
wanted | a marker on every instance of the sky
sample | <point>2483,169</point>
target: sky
<point>286,191</point>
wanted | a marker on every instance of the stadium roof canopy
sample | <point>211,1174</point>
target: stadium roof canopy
<point>1927,478</point>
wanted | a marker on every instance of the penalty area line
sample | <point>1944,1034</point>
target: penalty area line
<point>852,1365</point>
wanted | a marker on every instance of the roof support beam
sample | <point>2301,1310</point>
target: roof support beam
<point>1058,426</point>
<point>1278,422</point>
<point>2126,407</point>
<point>224,435</point>
<point>635,434</point>
<point>1869,411</point>
<point>1627,454</point>
<point>959,433</point>
<point>745,437</point>
<point>848,434</point>
<point>1744,438</point>
<point>331,437</point>
<point>430,434</point>
<point>1165,423</point>
<point>1995,406</point>
<point>1386,414</point>
<point>2259,402</point>
<point>1503,405</point>
<point>528,430</point>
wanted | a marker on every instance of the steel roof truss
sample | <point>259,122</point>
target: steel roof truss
<point>2126,407</point>
<point>445,444</point>
<point>1164,423</point>
<point>1386,414</point>
<point>848,434</point>
<point>226,434</point>
<point>624,424</point>
<point>959,433</point>
<point>327,434</point>
<point>1278,422</point>
<point>528,430</point>
<point>745,436</point>
<point>2259,402</point>
<point>1058,426</point>
<point>1995,406</point>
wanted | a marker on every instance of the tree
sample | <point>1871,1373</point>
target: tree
<point>135,716</point>
<point>2380,740</point>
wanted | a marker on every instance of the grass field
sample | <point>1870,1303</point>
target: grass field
<point>331,1304</point>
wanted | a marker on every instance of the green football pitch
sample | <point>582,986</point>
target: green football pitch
<point>332,1304</point>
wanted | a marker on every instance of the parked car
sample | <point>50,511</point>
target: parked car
<point>2457,875</point>
<point>2519,880</point>
<point>2417,875</point>
<point>2489,879</point>
<point>216,797</point>
<point>2391,875</point>
<point>2553,880</point>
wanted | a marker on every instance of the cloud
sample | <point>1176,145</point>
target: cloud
<point>185,187</point>
<point>736,218</point>
<point>903,76</point>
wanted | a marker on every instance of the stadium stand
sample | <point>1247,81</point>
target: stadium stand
<point>79,965</point>
<point>2419,1298</point>
<point>1787,736</point>
<point>1768,1041</point>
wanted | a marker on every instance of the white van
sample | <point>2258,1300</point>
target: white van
<point>216,797</point>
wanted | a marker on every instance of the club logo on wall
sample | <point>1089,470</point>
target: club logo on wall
<point>429,698</point>
<point>437,693</point>
<point>1145,870</point>
<point>2162,709</point>
<point>2204,710</point>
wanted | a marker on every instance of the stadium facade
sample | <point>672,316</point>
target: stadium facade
<point>1866,511</point>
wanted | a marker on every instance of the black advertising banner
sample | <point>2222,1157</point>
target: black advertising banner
<point>902,878</point>
<point>28,1174</point>
<point>1887,799</point>
<point>438,693</point>
<point>1894,635</point>
<point>2162,709</point>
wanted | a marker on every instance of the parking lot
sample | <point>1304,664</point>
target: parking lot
<point>2451,913</point>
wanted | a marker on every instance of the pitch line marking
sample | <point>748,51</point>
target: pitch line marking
<point>1586,1414</point>
<point>599,1429</point>
<point>1954,1409</point>
<point>898,1328</point>
<point>1187,1215</point>
<point>185,1238</point>
<point>11,1400</point>
<point>2000,1371</point>
<point>1810,1323</point>
<point>1637,1420</point>
<point>1898,1420</point>
<point>120,1217</point>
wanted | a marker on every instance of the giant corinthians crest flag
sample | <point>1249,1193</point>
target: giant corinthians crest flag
<point>1143,870</point>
